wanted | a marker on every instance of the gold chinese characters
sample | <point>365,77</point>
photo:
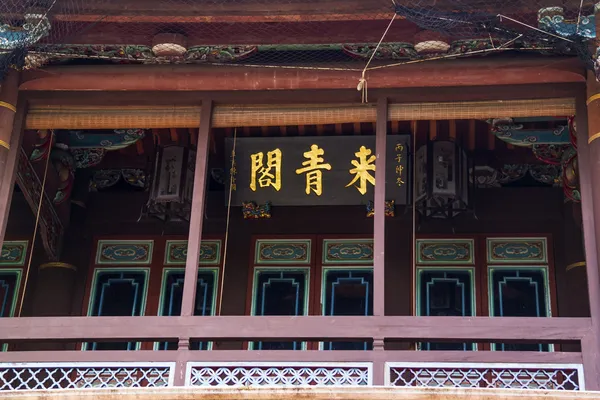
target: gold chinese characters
<point>269,174</point>
<point>399,167</point>
<point>266,171</point>
<point>313,167</point>
<point>361,171</point>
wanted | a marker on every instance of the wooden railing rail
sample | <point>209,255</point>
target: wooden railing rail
<point>58,368</point>
<point>296,328</point>
<point>306,328</point>
<point>240,356</point>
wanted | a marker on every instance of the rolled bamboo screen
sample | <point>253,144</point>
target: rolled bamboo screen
<point>110,117</point>
<point>483,109</point>
<point>85,117</point>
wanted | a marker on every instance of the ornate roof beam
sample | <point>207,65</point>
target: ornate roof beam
<point>467,72</point>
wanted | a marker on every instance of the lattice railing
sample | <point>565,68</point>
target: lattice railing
<point>279,374</point>
<point>497,376</point>
<point>89,375</point>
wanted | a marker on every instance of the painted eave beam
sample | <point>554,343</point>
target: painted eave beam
<point>472,72</point>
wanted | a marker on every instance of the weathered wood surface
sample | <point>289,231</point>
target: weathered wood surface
<point>362,393</point>
<point>472,72</point>
<point>9,160</point>
<point>197,213</point>
<point>287,356</point>
<point>309,327</point>
<point>42,99</point>
<point>379,217</point>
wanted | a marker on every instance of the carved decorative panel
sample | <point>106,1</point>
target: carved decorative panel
<point>124,252</point>
<point>522,250</point>
<point>485,375</point>
<point>289,251</point>
<point>176,252</point>
<point>51,226</point>
<point>303,374</point>
<point>14,253</point>
<point>348,251</point>
<point>77,375</point>
<point>445,251</point>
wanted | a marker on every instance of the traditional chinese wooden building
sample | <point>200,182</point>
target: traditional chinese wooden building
<point>195,200</point>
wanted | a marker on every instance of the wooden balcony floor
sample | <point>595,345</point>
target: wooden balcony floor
<point>370,393</point>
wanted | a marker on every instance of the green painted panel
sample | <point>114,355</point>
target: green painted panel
<point>14,253</point>
<point>176,252</point>
<point>522,250</point>
<point>124,252</point>
<point>348,251</point>
<point>445,251</point>
<point>288,251</point>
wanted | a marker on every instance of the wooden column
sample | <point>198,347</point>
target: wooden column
<point>197,217</point>
<point>379,232</point>
<point>588,149</point>
<point>9,90</point>
<point>53,297</point>
<point>195,235</point>
<point>12,118</point>
<point>379,217</point>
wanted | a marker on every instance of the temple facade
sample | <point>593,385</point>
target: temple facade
<point>338,201</point>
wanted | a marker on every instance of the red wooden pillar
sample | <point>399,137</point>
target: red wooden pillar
<point>379,204</point>
<point>588,148</point>
<point>379,232</point>
<point>195,235</point>
<point>12,116</point>
<point>197,217</point>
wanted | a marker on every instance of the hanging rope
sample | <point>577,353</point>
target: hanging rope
<point>413,267</point>
<point>362,82</point>
<point>35,229</point>
<point>222,280</point>
<point>534,28</point>
<point>414,216</point>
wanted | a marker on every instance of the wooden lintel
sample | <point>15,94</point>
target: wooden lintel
<point>349,96</point>
<point>468,72</point>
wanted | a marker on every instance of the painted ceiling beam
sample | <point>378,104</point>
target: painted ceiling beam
<point>465,72</point>
<point>141,30</point>
<point>293,10</point>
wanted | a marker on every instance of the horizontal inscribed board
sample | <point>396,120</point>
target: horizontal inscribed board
<point>300,171</point>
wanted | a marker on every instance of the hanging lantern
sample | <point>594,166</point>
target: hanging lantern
<point>442,180</point>
<point>172,184</point>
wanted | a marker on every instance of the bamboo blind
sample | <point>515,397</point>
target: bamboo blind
<point>110,117</point>
<point>85,117</point>
<point>483,109</point>
<point>264,115</point>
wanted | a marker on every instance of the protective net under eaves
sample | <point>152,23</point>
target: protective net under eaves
<point>343,34</point>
